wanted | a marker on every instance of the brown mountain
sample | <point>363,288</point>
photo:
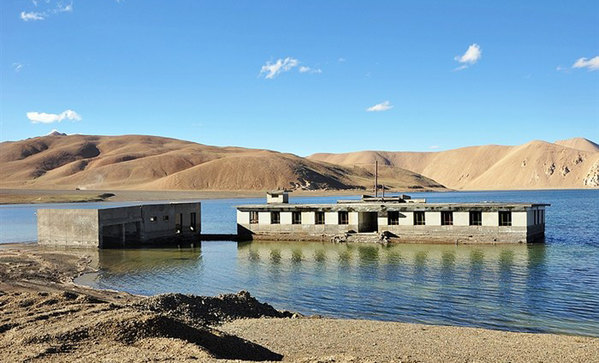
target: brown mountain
<point>579,143</point>
<point>58,161</point>
<point>570,163</point>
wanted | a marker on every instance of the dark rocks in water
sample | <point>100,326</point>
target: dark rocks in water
<point>205,310</point>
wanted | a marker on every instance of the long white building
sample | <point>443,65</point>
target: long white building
<point>395,219</point>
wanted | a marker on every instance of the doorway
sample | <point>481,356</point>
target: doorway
<point>368,222</point>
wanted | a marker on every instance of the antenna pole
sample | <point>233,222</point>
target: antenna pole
<point>376,178</point>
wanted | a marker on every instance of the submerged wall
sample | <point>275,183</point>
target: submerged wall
<point>75,227</point>
<point>121,226</point>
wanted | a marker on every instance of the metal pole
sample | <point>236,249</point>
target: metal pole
<point>376,178</point>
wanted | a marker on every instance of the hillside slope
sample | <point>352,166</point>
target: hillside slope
<point>536,165</point>
<point>156,163</point>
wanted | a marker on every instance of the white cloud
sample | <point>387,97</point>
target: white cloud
<point>383,106</point>
<point>17,67</point>
<point>51,8</point>
<point>32,16</point>
<point>64,8</point>
<point>592,64</point>
<point>434,147</point>
<point>470,57</point>
<point>47,118</point>
<point>341,60</point>
<point>281,65</point>
<point>305,69</point>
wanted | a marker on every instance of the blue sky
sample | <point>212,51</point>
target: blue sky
<point>303,76</point>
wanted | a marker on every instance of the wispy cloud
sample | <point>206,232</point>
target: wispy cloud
<point>379,107</point>
<point>341,60</point>
<point>17,67</point>
<point>470,57</point>
<point>306,69</point>
<point>591,64</point>
<point>272,70</point>
<point>281,65</point>
<point>32,16</point>
<point>51,8</point>
<point>48,118</point>
<point>434,147</point>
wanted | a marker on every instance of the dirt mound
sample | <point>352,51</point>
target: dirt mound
<point>205,310</point>
<point>56,326</point>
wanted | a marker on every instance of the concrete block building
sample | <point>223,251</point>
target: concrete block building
<point>400,219</point>
<point>119,226</point>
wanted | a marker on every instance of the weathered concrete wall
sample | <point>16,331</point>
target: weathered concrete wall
<point>73,227</point>
<point>112,227</point>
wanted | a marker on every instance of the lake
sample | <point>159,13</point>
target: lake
<point>551,287</point>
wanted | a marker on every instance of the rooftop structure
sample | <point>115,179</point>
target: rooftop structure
<point>395,219</point>
<point>119,226</point>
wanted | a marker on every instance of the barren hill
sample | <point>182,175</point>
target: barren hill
<point>579,143</point>
<point>570,163</point>
<point>158,163</point>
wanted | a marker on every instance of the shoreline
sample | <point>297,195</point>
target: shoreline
<point>11,196</point>
<point>40,281</point>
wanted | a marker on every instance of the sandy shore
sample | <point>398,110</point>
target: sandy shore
<point>27,196</point>
<point>46,317</point>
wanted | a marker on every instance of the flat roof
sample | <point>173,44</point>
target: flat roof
<point>367,206</point>
<point>81,206</point>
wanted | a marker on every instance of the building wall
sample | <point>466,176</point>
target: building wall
<point>112,227</point>
<point>432,231</point>
<point>461,218</point>
<point>75,227</point>
<point>491,219</point>
<point>307,227</point>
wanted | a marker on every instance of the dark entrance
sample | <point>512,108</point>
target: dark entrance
<point>117,235</point>
<point>368,222</point>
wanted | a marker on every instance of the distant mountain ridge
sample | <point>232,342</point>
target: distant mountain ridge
<point>572,163</point>
<point>58,161</point>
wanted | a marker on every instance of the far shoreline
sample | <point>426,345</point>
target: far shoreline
<point>10,196</point>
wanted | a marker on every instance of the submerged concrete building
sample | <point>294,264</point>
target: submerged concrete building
<point>395,219</point>
<point>119,226</point>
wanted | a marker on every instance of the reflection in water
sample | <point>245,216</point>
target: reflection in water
<point>296,255</point>
<point>500,287</point>
<point>320,256</point>
<point>550,288</point>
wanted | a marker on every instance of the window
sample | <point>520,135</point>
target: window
<point>343,217</point>
<point>253,217</point>
<point>296,217</point>
<point>153,219</point>
<point>178,222</point>
<point>542,211</point>
<point>393,218</point>
<point>419,219</point>
<point>447,218</point>
<point>476,218</point>
<point>275,217</point>
<point>505,218</point>
<point>192,225</point>
<point>319,217</point>
<point>165,218</point>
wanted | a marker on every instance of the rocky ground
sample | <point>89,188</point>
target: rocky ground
<point>46,317</point>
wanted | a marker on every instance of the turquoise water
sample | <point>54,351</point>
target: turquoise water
<point>551,287</point>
